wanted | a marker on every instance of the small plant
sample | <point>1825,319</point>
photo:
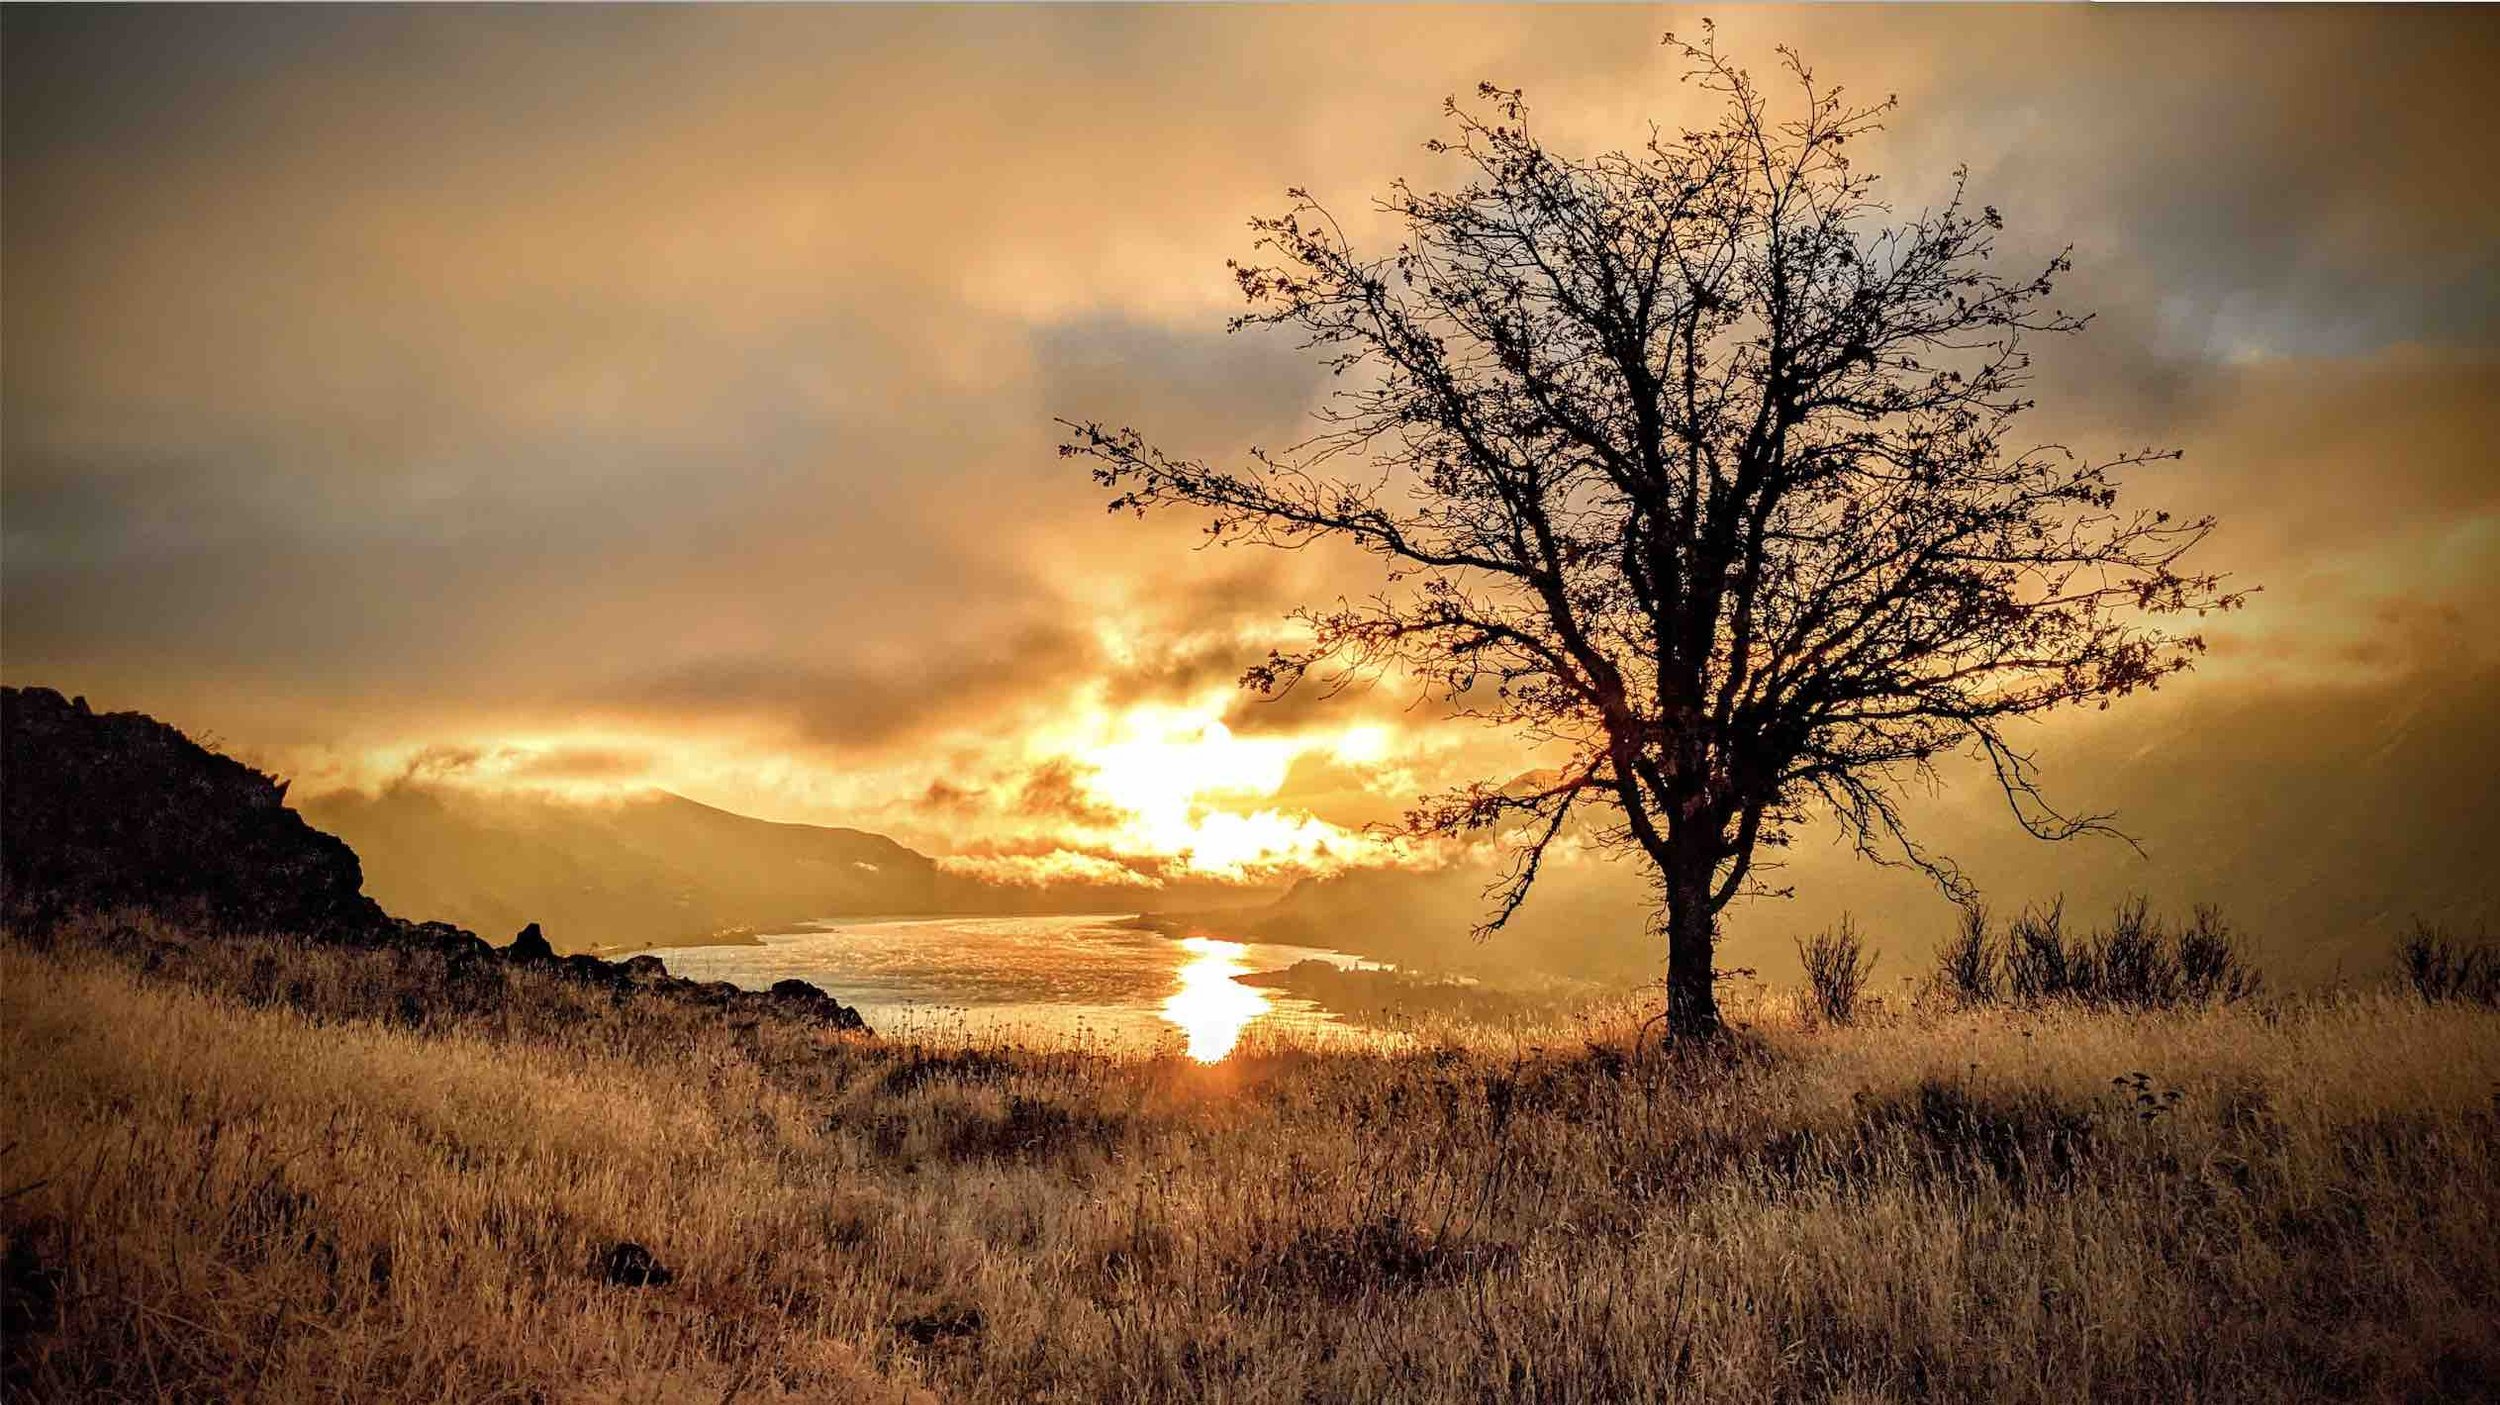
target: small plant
<point>2040,963</point>
<point>1837,966</point>
<point>2151,1101</point>
<point>2137,962</point>
<point>2214,967</point>
<point>2132,961</point>
<point>1967,964</point>
<point>2442,968</point>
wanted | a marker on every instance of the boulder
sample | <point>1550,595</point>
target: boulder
<point>458,944</point>
<point>806,1001</point>
<point>590,970</point>
<point>629,1265</point>
<point>529,947</point>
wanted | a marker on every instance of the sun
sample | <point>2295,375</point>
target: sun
<point>1165,766</point>
<point>1189,790</point>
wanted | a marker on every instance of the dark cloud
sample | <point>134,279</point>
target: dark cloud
<point>1056,790</point>
<point>949,801</point>
<point>876,702</point>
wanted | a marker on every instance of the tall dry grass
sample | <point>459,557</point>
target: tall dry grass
<point>258,1169</point>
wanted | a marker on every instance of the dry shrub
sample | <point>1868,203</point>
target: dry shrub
<point>1968,963</point>
<point>2439,967</point>
<point>2213,964</point>
<point>2137,962</point>
<point>2041,963</point>
<point>1837,966</point>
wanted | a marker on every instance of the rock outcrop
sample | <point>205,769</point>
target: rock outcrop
<point>116,809</point>
<point>805,1001</point>
<point>629,1265</point>
<point>113,810</point>
<point>529,946</point>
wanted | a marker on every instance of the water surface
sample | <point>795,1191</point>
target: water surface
<point>1086,981</point>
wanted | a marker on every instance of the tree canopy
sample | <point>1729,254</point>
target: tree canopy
<point>1698,464</point>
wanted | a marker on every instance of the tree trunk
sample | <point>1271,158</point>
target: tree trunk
<point>1692,978</point>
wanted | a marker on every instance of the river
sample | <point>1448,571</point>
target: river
<point>1085,982</point>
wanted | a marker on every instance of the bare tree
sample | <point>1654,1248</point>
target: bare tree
<point>1694,463</point>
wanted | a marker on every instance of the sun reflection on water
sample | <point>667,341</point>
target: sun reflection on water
<point>1211,1007</point>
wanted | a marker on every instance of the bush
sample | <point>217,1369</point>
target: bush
<point>2441,968</point>
<point>1967,964</point>
<point>2040,963</point>
<point>2213,966</point>
<point>2132,962</point>
<point>2137,962</point>
<point>1837,966</point>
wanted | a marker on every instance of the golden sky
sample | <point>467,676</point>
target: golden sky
<point>597,398</point>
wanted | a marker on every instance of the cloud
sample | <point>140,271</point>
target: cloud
<point>872,702</point>
<point>620,396</point>
<point>1057,866</point>
<point>1056,791</point>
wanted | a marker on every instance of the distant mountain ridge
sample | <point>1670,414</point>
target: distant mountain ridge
<point>659,870</point>
<point>2389,814</point>
<point>644,871</point>
<point>2321,820</point>
<point>106,810</point>
<point>108,815</point>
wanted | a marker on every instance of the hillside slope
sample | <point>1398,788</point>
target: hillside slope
<point>646,871</point>
<point>2322,821</point>
<point>661,870</point>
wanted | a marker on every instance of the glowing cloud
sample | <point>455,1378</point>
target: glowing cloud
<point>1188,791</point>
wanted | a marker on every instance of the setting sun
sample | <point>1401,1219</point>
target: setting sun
<point>1169,761</point>
<point>1192,790</point>
<point>1174,785</point>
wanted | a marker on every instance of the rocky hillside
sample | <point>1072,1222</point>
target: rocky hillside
<point>116,809</point>
<point>107,813</point>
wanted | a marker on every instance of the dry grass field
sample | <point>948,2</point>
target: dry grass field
<point>265,1169</point>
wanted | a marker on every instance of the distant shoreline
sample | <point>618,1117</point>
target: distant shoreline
<point>754,935</point>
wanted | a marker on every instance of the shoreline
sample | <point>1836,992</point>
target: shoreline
<point>753,936</point>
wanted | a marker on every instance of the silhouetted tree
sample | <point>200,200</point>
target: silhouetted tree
<point>1695,463</point>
